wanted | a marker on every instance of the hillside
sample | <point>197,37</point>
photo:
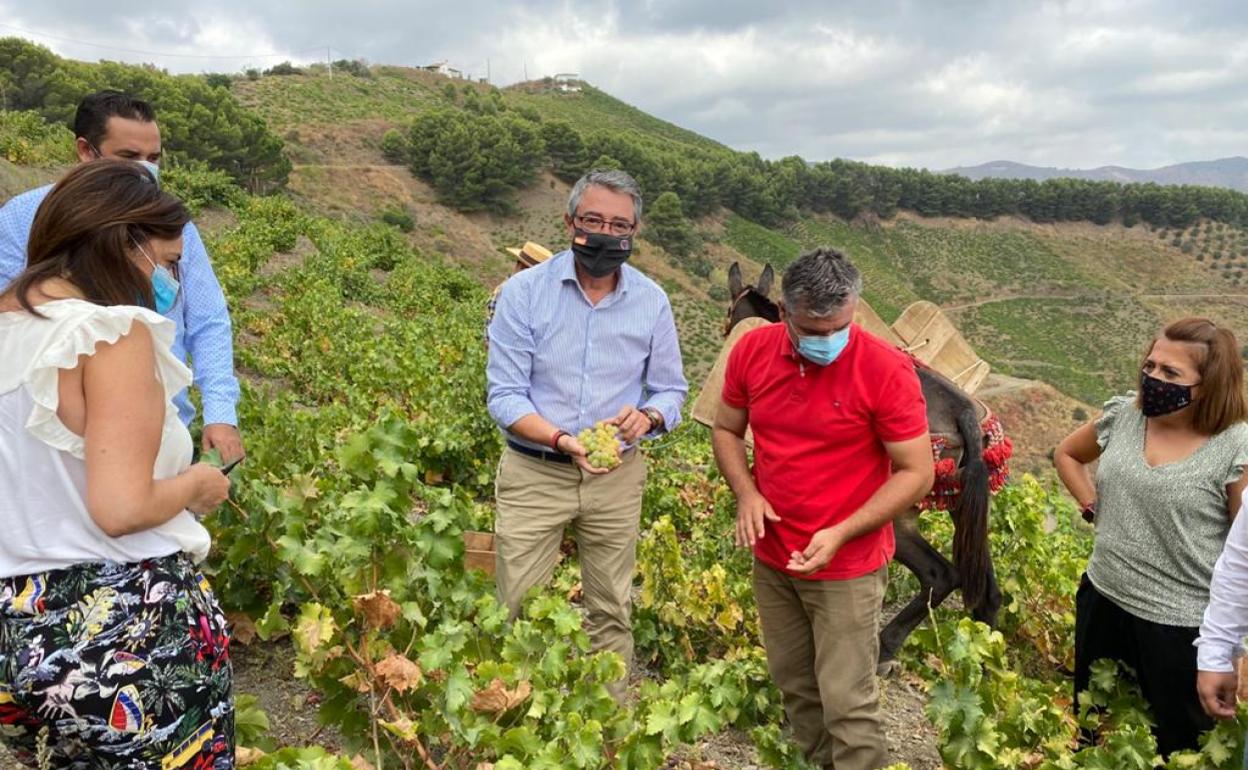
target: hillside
<point>1029,297</point>
<point>1067,304</point>
<point>1224,172</point>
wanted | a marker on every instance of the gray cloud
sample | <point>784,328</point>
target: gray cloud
<point>1080,83</point>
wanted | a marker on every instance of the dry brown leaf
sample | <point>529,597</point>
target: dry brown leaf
<point>242,628</point>
<point>402,727</point>
<point>399,673</point>
<point>433,477</point>
<point>497,698</point>
<point>356,681</point>
<point>358,762</point>
<point>245,755</point>
<point>378,609</point>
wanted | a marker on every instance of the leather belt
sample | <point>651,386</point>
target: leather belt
<point>541,454</point>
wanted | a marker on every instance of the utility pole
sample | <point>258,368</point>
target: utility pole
<point>526,70</point>
<point>487,70</point>
<point>329,60</point>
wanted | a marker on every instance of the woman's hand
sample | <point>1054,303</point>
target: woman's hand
<point>209,488</point>
<point>1217,693</point>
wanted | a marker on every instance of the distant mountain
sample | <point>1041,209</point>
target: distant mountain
<point>1225,172</point>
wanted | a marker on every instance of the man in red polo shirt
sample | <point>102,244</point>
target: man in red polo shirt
<point>840,449</point>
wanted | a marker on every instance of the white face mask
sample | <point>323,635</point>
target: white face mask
<point>152,168</point>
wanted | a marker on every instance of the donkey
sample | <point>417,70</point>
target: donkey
<point>955,416</point>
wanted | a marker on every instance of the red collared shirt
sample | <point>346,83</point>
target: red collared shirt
<point>819,434</point>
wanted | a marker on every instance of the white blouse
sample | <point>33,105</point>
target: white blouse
<point>1226,618</point>
<point>44,523</point>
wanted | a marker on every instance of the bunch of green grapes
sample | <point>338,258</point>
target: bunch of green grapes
<point>602,445</point>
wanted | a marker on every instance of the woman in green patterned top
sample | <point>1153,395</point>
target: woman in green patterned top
<point>1167,486</point>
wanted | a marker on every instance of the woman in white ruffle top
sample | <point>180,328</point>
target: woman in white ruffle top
<point>113,651</point>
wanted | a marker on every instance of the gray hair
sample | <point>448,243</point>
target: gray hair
<point>615,180</point>
<point>820,283</point>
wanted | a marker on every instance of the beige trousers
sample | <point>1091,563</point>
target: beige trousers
<point>822,642</point>
<point>536,500</point>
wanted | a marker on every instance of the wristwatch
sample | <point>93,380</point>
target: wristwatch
<point>656,417</point>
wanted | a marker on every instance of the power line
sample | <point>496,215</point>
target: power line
<point>58,38</point>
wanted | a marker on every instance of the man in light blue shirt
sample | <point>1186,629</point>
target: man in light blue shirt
<point>579,339</point>
<point>111,124</point>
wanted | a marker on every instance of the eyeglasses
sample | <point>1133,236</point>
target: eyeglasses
<point>595,224</point>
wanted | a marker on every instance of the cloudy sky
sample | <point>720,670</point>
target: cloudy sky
<point>935,84</point>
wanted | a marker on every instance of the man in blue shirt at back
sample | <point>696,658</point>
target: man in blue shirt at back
<point>111,124</point>
<point>578,339</point>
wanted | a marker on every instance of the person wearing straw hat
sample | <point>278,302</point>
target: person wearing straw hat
<point>529,255</point>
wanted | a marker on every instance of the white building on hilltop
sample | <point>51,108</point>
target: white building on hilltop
<point>444,68</point>
<point>568,82</point>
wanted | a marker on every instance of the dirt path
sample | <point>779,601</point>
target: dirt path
<point>1224,295</point>
<point>1003,298</point>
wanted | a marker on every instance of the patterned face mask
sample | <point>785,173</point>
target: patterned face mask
<point>1158,397</point>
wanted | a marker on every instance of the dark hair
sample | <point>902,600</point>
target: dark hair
<point>1221,403</point>
<point>91,119</point>
<point>85,228</point>
<point>820,282</point>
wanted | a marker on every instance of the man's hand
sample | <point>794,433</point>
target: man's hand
<point>632,423</point>
<point>751,511</point>
<point>225,439</point>
<point>823,546</point>
<point>569,445</point>
<point>1217,692</point>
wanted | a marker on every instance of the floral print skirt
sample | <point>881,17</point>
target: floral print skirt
<point>107,666</point>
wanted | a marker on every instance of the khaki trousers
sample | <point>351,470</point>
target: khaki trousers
<point>822,642</point>
<point>536,500</point>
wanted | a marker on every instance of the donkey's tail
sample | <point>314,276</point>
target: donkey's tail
<point>970,515</point>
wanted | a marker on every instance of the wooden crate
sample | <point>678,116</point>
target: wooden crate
<point>479,551</point>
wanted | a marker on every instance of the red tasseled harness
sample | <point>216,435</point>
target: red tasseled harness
<point>948,485</point>
<point>998,449</point>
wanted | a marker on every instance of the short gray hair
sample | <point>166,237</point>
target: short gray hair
<point>615,180</point>
<point>820,283</point>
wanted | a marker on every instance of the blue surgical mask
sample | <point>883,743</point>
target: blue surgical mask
<point>823,349</point>
<point>165,287</point>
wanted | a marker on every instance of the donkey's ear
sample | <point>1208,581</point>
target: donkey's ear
<point>735,287</point>
<point>764,281</point>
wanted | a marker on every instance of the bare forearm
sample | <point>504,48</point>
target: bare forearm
<point>533,428</point>
<point>159,502</point>
<point>1076,477</point>
<point>902,490</point>
<point>733,464</point>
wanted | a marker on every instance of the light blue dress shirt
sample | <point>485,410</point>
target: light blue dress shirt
<point>201,315</point>
<point>555,354</point>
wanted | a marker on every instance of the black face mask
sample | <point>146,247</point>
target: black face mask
<point>1158,397</point>
<point>601,254</point>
